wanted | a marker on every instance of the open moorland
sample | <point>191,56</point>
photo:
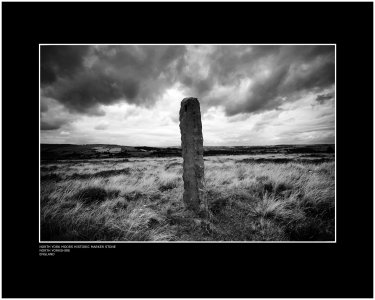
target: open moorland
<point>279,193</point>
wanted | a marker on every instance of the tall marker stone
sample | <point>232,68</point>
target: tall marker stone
<point>192,153</point>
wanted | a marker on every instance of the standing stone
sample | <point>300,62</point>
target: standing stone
<point>192,153</point>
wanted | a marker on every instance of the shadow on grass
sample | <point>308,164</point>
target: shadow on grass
<point>101,174</point>
<point>94,195</point>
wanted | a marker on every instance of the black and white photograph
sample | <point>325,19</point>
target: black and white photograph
<point>192,142</point>
<point>187,149</point>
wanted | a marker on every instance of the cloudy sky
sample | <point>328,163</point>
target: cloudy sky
<point>131,94</point>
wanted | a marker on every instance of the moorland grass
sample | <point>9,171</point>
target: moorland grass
<point>141,200</point>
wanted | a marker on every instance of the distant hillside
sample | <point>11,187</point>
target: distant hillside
<point>95,151</point>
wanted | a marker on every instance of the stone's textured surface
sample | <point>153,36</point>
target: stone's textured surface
<point>192,153</point>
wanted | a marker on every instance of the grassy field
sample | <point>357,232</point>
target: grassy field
<point>251,198</point>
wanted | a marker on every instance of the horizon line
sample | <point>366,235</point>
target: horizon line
<point>261,145</point>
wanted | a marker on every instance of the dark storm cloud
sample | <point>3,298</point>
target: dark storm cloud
<point>324,97</point>
<point>51,124</point>
<point>289,72</point>
<point>86,90</point>
<point>227,65</point>
<point>60,61</point>
<point>54,115</point>
<point>43,105</point>
<point>84,78</point>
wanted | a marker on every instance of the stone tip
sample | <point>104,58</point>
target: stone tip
<point>189,99</point>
